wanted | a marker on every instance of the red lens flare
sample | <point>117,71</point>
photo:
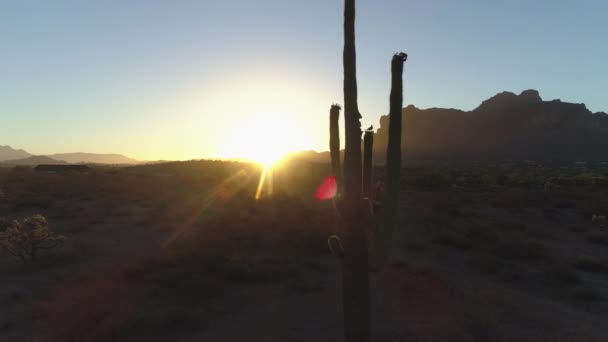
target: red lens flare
<point>328,189</point>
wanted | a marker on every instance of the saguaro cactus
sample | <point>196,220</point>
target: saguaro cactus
<point>355,276</point>
<point>359,223</point>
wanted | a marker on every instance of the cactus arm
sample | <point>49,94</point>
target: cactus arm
<point>334,143</point>
<point>383,236</point>
<point>368,144</point>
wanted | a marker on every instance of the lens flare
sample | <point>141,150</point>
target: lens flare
<point>328,189</point>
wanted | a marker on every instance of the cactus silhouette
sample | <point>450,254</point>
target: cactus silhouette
<point>362,227</point>
<point>383,233</point>
<point>334,141</point>
<point>368,145</point>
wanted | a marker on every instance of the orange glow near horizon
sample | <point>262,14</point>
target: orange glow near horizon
<point>264,138</point>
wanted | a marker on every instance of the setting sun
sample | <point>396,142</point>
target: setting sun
<point>265,138</point>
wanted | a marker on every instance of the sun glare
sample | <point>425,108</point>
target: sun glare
<point>265,138</point>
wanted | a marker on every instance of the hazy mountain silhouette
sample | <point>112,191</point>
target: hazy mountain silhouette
<point>31,161</point>
<point>504,127</point>
<point>93,158</point>
<point>8,153</point>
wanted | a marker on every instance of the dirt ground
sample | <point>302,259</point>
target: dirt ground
<point>183,252</point>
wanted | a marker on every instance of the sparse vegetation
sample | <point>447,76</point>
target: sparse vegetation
<point>24,240</point>
<point>188,251</point>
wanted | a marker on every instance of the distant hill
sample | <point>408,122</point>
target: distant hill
<point>310,155</point>
<point>32,161</point>
<point>21,157</point>
<point>93,158</point>
<point>8,153</point>
<point>504,127</point>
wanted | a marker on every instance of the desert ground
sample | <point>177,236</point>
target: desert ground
<point>184,252</point>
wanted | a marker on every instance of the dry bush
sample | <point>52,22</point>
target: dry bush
<point>24,240</point>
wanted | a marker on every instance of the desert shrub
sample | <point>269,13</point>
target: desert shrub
<point>24,240</point>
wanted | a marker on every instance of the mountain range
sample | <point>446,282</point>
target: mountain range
<point>10,156</point>
<point>505,127</point>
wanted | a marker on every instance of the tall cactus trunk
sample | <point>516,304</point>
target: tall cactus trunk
<point>352,124</point>
<point>368,145</point>
<point>390,203</point>
<point>334,143</point>
<point>355,276</point>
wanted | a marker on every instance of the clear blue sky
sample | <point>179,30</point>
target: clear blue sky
<point>176,79</point>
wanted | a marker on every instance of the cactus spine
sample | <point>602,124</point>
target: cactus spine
<point>359,223</point>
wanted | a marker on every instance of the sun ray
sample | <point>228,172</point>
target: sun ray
<point>226,190</point>
<point>258,193</point>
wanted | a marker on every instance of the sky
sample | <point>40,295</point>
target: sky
<point>227,78</point>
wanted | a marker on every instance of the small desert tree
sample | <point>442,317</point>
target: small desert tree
<point>24,240</point>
